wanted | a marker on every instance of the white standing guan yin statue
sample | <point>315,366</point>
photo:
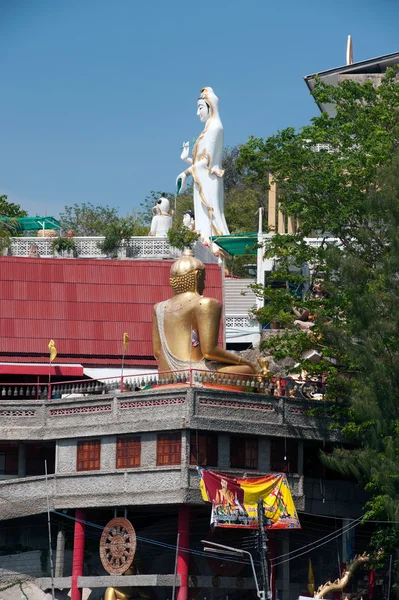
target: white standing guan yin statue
<point>206,169</point>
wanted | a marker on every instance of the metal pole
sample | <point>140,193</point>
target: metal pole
<point>263,549</point>
<point>177,553</point>
<point>49,382</point>
<point>390,576</point>
<point>230,550</point>
<point>123,364</point>
<point>49,535</point>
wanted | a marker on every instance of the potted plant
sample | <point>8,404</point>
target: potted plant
<point>64,246</point>
<point>182,237</point>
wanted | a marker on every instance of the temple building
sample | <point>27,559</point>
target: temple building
<point>134,453</point>
<point>85,442</point>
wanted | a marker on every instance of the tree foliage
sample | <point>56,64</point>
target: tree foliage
<point>9,209</point>
<point>87,219</point>
<point>347,309</point>
<point>11,227</point>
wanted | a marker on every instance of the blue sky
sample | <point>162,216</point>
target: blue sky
<point>97,95</point>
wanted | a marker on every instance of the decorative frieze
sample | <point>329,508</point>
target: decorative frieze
<point>235,404</point>
<point>149,403</point>
<point>74,410</point>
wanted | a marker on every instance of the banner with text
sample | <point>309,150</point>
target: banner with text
<point>235,500</point>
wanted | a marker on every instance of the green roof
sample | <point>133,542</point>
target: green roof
<point>35,223</point>
<point>237,244</point>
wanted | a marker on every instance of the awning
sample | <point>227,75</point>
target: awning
<point>35,223</point>
<point>74,370</point>
<point>237,244</point>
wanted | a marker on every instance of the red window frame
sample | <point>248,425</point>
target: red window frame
<point>88,455</point>
<point>128,451</point>
<point>169,448</point>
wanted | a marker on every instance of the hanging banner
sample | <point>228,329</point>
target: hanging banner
<point>235,500</point>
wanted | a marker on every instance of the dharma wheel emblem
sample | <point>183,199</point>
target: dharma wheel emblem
<point>117,546</point>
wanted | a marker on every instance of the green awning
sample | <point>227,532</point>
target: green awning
<point>35,223</point>
<point>237,244</point>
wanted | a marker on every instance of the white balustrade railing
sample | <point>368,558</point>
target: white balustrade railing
<point>89,247</point>
<point>241,322</point>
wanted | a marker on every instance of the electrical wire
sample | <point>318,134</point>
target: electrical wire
<point>154,542</point>
<point>335,533</point>
<point>313,548</point>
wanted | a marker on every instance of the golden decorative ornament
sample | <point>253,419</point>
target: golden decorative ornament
<point>47,233</point>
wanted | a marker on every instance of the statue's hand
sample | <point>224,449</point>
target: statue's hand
<point>186,150</point>
<point>182,183</point>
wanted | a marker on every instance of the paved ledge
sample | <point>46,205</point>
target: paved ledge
<point>104,581</point>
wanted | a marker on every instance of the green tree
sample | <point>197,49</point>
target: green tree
<point>9,228</point>
<point>339,177</point>
<point>88,220</point>
<point>326,190</point>
<point>241,205</point>
<point>9,209</point>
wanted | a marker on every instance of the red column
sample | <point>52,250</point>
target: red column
<point>183,558</point>
<point>78,553</point>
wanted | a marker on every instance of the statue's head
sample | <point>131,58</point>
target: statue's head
<point>208,104</point>
<point>203,110</point>
<point>187,274</point>
<point>162,206</point>
<point>188,217</point>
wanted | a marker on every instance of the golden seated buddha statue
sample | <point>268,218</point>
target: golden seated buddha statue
<point>186,327</point>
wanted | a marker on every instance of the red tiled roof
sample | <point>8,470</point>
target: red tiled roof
<point>85,306</point>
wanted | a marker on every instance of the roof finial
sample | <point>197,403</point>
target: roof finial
<point>349,51</point>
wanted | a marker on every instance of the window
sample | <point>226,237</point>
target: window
<point>88,455</point>
<point>243,452</point>
<point>8,459</point>
<point>284,455</point>
<point>169,449</point>
<point>128,451</point>
<point>36,455</point>
<point>203,449</point>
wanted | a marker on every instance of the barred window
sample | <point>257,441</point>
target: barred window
<point>169,449</point>
<point>128,451</point>
<point>88,455</point>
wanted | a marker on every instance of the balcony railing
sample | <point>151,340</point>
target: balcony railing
<point>145,247</point>
<point>311,389</point>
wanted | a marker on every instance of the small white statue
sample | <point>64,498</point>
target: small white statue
<point>162,220</point>
<point>205,169</point>
<point>188,220</point>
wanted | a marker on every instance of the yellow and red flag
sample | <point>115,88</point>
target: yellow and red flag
<point>53,350</point>
<point>234,500</point>
<point>126,340</point>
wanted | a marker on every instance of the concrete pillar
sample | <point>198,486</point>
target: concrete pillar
<point>224,451</point>
<point>281,222</point>
<point>291,225</point>
<point>183,557</point>
<point>264,455</point>
<point>300,457</point>
<point>272,205</point>
<point>78,553</point>
<point>21,460</point>
<point>60,554</point>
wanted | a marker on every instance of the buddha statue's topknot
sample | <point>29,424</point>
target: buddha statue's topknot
<point>185,271</point>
